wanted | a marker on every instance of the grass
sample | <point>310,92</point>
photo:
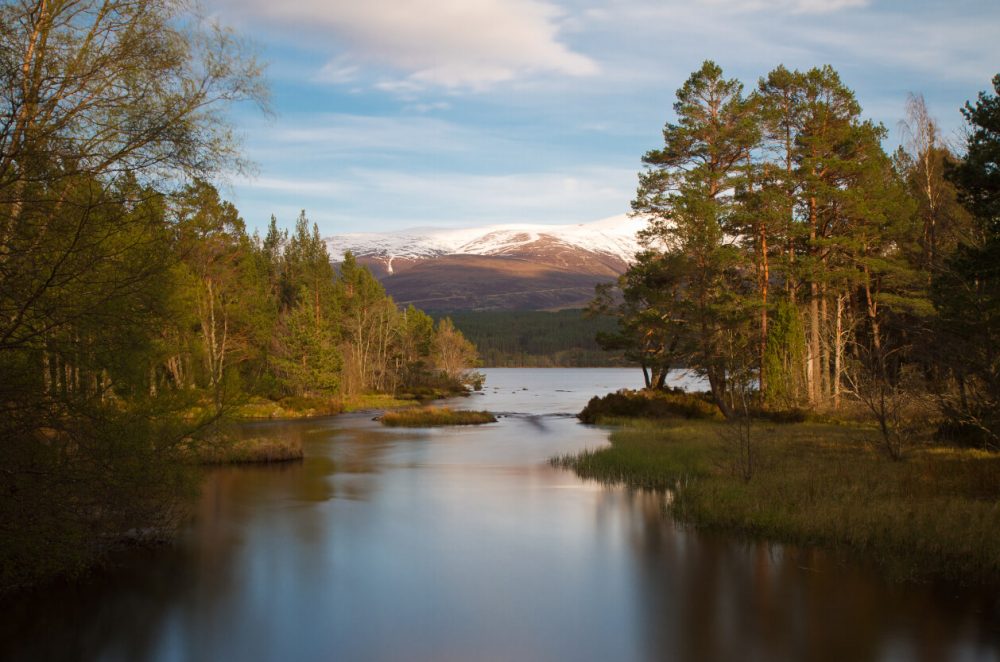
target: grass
<point>435,416</point>
<point>375,401</point>
<point>257,450</point>
<point>933,514</point>
<point>649,404</point>
<point>305,407</point>
<point>293,407</point>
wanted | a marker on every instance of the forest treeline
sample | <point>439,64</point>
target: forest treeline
<point>796,264</point>
<point>538,339</point>
<point>135,309</point>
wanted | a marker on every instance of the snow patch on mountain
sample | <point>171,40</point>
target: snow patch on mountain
<point>615,236</point>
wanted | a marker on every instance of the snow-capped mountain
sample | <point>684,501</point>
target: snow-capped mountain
<point>614,237</point>
<point>516,266</point>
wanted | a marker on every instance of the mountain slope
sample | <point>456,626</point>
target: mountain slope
<point>503,267</point>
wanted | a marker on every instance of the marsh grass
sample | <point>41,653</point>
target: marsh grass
<point>435,416</point>
<point>365,401</point>
<point>287,408</point>
<point>936,513</point>
<point>306,407</point>
<point>257,450</point>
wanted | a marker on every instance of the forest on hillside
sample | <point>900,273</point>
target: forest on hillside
<point>796,264</point>
<point>538,339</point>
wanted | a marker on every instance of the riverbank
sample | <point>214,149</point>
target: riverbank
<point>932,515</point>
<point>293,408</point>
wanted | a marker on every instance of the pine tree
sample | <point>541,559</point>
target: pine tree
<point>688,194</point>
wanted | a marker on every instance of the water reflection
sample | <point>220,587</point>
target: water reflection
<point>461,544</point>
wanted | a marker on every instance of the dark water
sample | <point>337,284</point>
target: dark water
<point>463,544</point>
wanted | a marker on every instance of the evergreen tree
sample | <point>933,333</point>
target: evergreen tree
<point>688,194</point>
<point>967,291</point>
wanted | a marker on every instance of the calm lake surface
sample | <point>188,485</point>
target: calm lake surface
<point>464,544</point>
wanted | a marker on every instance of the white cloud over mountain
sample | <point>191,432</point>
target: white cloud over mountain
<point>448,43</point>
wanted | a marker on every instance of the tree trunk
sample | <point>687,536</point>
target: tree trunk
<point>824,363</point>
<point>838,354</point>
<point>717,384</point>
<point>764,281</point>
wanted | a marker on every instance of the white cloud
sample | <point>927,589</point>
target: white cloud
<point>793,6</point>
<point>296,186</point>
<point>339,71</point>
<point>339,136</point>
<point>363,198</point>
<point>449,43</point>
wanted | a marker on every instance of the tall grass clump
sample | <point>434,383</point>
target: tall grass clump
<point>435,416</point>
<point>257,450</point>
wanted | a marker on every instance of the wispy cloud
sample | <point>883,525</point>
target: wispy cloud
<point>339,135</point>
<point>444,43</point>
<point>444,198</point>
<point>793,6</point>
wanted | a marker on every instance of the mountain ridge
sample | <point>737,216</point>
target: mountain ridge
<point>516,266</point>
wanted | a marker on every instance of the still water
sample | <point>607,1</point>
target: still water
<point>464,544</point>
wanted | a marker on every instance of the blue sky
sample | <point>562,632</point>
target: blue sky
<point>450,113</point>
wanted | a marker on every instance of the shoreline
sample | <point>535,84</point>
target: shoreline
<point>930,516</point>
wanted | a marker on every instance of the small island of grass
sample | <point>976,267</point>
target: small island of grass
<point>256,450</point>
<point>434,417</point>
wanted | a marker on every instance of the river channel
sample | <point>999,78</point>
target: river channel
<point>465,544</point>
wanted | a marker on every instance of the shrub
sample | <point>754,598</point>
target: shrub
<point>673,403</point>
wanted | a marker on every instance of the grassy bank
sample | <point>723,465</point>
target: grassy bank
<point>257,450</point>
<point>934,514</point>
<point>304,407</point>
<point>435,416</point>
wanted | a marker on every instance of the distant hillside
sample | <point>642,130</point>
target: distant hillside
<point>537,338</point>
<point>482,282</point>
<point>505,267</point>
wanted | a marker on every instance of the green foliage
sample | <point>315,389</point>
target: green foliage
<point>103,475</point>
<point>789,257</point>
<point>645,334</point>
<point>967,292</point>
<point>135,311</point>
<point>106,105</point>
<point>688,194</point>
<point>783,359</point>
<point>564,338</point>
<point>304,353</point>
<point>649,404</point>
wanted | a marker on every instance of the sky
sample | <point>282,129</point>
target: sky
<point>391,114</point>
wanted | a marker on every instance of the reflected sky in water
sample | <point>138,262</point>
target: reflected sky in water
<point>464,544</point>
